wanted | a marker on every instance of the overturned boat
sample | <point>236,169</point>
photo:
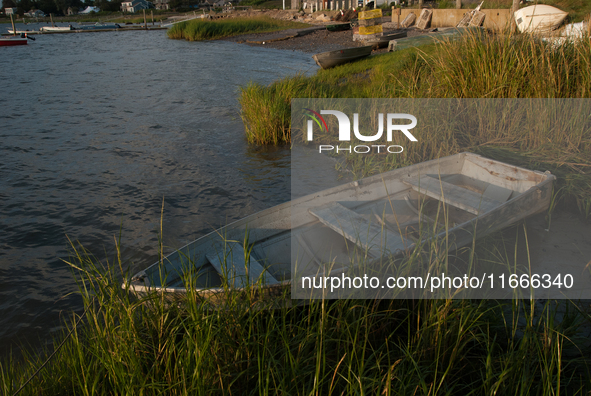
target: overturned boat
<point>539,18</point>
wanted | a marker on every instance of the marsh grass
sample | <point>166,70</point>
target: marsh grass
<point>138,20</point>
<point>197,30</point>
<point>390,347</point>
<point>498,67</point>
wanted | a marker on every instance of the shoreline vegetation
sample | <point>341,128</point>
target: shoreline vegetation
<point>198,30</point>
<point>392,347</point>
<point>124,345</point>
<point>477,66</point>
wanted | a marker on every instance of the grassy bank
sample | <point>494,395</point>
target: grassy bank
<point>137,20</point>
<point>395,347</point>
<point>496,67</point>
<point>197,30</point>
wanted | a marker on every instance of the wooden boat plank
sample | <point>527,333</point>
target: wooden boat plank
<point>504,175</point>
<point>358,229</point>
<point>451,194</point>
<point>233,265</point>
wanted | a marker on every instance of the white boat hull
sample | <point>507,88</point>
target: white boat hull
<point>55,28</point>
<point>539,18</point>
<point>375,215</point>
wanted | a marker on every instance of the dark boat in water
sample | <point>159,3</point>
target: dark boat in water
<point>338,27</point>
<point>382,42</point>
<point>329,59</point>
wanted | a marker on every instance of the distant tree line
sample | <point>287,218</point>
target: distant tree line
<point>60,7</point>
<point>183,4</point>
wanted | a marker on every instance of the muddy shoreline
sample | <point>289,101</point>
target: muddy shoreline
<point>315,42</point>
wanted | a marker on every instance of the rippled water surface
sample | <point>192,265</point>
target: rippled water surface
<point>96,130</point>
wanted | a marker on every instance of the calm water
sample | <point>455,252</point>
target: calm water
<point>96,129</point>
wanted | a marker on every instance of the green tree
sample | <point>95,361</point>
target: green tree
<point>47,6</point>
<point>106,5</point>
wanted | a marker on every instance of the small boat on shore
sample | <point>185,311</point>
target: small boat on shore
<point>99,26</point>
<point>9,41</point>
<point>329,59</point>
<point>539,18</point>
<point>21,31</point>
<point>382,41</point>
<point>338,27</point>
<point>378,215</point>
<point>56,28</point>
<point>442,35</point>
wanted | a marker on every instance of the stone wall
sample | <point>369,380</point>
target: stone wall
<point>495,18</point>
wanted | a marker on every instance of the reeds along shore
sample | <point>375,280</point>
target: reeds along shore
<point>196,30</point>
<point>391,347</point>
<point>479,66</point>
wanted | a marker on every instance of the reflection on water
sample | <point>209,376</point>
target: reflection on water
<point>96,131</point>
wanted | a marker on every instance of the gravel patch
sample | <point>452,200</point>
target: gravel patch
<point>312,43</point>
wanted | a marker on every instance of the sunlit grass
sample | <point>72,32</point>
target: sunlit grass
<point>476,67</point>
<point>196,30</point>
<point>126,345</point>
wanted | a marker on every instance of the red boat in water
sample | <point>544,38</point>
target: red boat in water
<point>13,40</point>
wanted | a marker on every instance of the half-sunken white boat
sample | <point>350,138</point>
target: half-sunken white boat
<point>539,18</point>
<point>375,215</point>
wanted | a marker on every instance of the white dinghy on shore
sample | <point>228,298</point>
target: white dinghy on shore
<point>377,215</point>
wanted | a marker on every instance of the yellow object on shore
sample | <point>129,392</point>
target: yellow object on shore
<point>370,14</point>
<point>364,30</point>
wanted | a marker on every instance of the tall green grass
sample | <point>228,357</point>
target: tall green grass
<point>394,347</point>
<point>503,66</point>
<point>137,20</point>
<point>197,30</point>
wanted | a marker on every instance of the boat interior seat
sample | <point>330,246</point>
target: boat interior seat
<point>375,238</point>
<point>462,198</point>
<point>240,270</point>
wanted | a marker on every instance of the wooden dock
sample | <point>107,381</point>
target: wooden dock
<point>121,29</point>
